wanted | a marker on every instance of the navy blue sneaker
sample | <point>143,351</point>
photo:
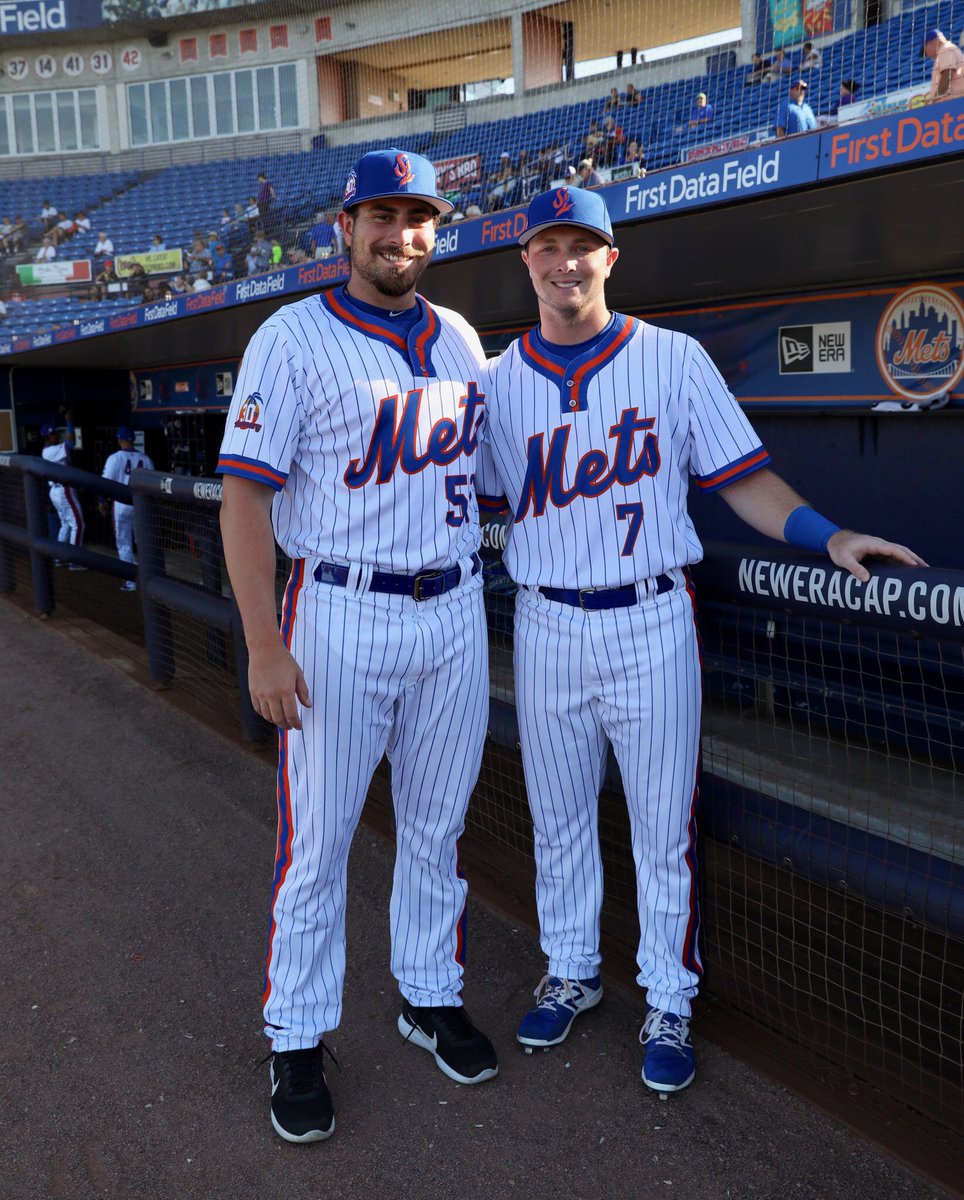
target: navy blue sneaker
<point>558,1003</point>
<point>669,1064</point>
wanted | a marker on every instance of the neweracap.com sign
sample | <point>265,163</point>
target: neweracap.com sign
<point>44,16</point>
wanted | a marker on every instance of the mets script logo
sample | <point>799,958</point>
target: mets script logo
<point>350,187</point>
<point>248,417</point>
<point>562,202</point>
<point>920,342</point>
<point>403,170</point>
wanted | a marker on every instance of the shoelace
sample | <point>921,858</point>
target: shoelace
<point>657,1028</point>
<point>550,994</point>
<point>304,1069</point>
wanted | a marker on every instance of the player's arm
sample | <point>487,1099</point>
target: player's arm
<point>943,83</point>
<point>275,680</point>
<point>771,506</point>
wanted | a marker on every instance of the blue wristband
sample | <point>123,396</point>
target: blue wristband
<point>808,529</point>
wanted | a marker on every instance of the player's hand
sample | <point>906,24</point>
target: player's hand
<point>277,686</point>
<point>848,549</point>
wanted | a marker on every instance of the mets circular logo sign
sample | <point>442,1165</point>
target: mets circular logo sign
<point>920,342</point>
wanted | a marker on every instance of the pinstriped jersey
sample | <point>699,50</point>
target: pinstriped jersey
<point>368,434</point>
<point>594,455</point>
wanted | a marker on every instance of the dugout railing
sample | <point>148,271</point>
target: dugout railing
<point>832,852</point>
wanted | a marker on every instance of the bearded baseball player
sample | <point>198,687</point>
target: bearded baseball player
<point>352,440</point>
<point>595,423</point>
<point>118,467</point>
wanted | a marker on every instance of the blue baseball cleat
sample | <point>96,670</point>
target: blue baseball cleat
<point>558,1003</point>
<point>669,1064</point>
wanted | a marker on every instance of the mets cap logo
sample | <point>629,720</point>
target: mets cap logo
<point>403,170</point>
<point>250,413</point>
<point>562,202</point>
<point>920,342</point>
<point>351,186</point>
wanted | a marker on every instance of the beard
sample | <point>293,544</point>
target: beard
<point>391,281</point>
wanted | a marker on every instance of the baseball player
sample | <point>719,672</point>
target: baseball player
<point>353,434</point>
<point>62,497</point>
<point>118,467</point>
<point>595,423</point>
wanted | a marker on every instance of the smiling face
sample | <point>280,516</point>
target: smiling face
<point>390,243</point>
<point>569,267</point>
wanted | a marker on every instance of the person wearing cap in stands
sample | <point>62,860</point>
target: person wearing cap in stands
<point>795,115</point>
<point>595,423</point>
<point>63,497</point>
<point>118,467</point>
<point>702,112</point>
<point>947,77</point>
<point>351,440</point>
<point>847,95</point>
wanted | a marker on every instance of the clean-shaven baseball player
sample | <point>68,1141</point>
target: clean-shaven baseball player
<point>57,449</point>
<point>595,422</point>
<point>118,467</point>
<point>354,433</point>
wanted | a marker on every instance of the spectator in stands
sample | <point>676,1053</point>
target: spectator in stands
<point>6,235</point>
<point>632,96</point>
<point>321,238</point>
<point>586,175</point>
<point>104,247</point>
<point>702,112</point>
<point>148,295</point>
<point>3,310</point>
<point>613,146</point>
<point>504,185</point>
<point>158,245</point>
<point>259,254</point>
<point>277,253</point>
<point>779,66</point>
<point>297,256</point>
<point>222,265</point>
<point>252,213</point>
<point>795,115</point>
<point>180,285</point>
<point>809,57</point>
<point>20,235</point>
<point>64,230</point>
<point>199,259</point>
<point>635,154</point>
<point>105,281</point>
<point>200,284</point>
<point>758,68</point>
<point>47,251</point>
<point>473,210</point>
<point>48,216</point>
<point>81,222</point>
<point>226,218</point>
<point>594,137</point>
<point>848,94</point>
<point>265,198</point>
<point>947,76</point>
<point>614,101</point>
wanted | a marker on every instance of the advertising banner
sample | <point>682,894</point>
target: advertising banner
<point>154,262</point>
<point>36,274</point>
<point>19,17</point>
<point>453,172</point>
<point>786,23</point>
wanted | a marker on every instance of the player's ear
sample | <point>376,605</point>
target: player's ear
<point>525,258</point>
<point>345,222</point>
<point>611,257</point>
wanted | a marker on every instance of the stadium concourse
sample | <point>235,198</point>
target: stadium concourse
<point>133,940</point>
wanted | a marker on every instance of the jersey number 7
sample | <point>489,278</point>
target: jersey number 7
<point>633,513</point>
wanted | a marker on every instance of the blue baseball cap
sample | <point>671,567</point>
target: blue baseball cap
<point>568,206</point>
<point>125,433</point>
<point>929,36</point>
<point>47,430</point>
<point>393,172</point>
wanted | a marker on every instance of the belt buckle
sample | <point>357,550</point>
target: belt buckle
<point>586,592</point>
<point>422,575</point>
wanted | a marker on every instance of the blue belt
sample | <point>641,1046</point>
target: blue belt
<point>594,599</point>
<point>422,586</point>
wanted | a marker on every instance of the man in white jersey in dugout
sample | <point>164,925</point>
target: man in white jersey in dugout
<point>595,423</point>
<point>352,441</point>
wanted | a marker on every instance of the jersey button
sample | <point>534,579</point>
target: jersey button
<point>573,403</point>
<point>570,383</point>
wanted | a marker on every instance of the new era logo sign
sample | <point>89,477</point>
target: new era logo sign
<point>814,349</point>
